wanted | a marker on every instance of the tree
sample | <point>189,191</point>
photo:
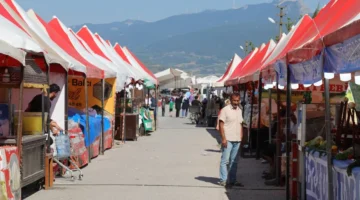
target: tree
<point>316,12</point>
<point>251,45</point>
<point>277,39</point>
<point>289,24</point>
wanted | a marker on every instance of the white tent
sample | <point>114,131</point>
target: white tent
<point>234,63</point>
<point>93,44</point>
<point>135,64</point>
<point>167,74</point>
<point>14,41</point>
<point>174,78</point>
<point>57,25</point>
<point>55,54</point>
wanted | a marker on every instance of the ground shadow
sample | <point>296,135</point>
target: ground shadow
<point>206,179</point>
<point>213,150</point>
<point>215,134</point>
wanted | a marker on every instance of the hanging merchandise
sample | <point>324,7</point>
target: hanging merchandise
<point>307,97</point>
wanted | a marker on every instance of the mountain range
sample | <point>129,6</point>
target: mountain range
<point>200,43</point>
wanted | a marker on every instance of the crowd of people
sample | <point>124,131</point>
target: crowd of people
<point>181,103</point>
<point>230,127</point>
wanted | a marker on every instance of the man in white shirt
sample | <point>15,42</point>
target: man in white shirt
<point>231,121</point>
<point>147,100</point>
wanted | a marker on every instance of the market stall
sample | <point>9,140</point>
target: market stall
<point>77,110</point>
<point>26,130</point>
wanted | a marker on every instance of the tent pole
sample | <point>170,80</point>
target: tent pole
<point>124,114</point>
<point>102,116</point>
<point>155,111</point>
<point>11,117</point>
<point>251,115</point>
<point>270,116</point>
<point>66,102</point>
<point>48,111</point>
<point>278,128</point>
<point>259,119</point>
<point>288,133</point>
<point>329,140</point>
<point>87,118</point>
<point>244,100</point>
<point>19,123</point>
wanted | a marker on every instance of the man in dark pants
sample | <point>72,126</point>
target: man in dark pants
<point>178,102</point>
<point>153,105</point>
<point>163,105</point>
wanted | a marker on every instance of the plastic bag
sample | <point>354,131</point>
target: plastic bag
<point>72,124</point>
<point>63,145</point>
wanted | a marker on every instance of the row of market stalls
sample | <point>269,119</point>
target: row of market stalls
<point>173,78</point>
<point>313,75</point>
<point>97,81</point>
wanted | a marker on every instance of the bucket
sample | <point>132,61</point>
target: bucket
<point>32,123</point>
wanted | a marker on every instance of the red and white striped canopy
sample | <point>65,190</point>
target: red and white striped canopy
<point>68,36</point>
<point>55,54</point>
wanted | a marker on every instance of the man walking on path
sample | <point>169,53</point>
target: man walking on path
<point>230,120</point>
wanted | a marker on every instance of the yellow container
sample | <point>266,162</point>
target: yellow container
<point>32,123</point>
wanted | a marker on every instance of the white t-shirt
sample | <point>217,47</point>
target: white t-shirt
<point>232,119</point>
<point>148,101</point>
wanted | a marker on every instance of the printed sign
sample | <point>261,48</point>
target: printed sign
<point>345,187</point>
<point>281,71</point>
<point>343,57</point>
<point>307,72</point>
<point>77,93</point>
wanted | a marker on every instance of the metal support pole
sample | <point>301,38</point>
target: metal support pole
<point>10,106</point>
<point>124,116</point>
<point>102,148</point>
<point>244,100</point>
<point>270,116</point>
<point>66,128</point>
<point>87,118</point>
<point>155,111</point>
<point>147,100</point>
<point>259,119</point>
<point>43,120</point>
<point>251,115</point>
<point>48,150</point>
<point>288,133</point>
<point>19,120</point>
<point>278,128</point>
<point>329,140</point>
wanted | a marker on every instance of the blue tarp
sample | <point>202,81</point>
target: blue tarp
<point>94,124</point>
<point>107,124</point>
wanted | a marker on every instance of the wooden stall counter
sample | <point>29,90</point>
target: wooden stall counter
<point>131,127</point>
<point>33,157</point>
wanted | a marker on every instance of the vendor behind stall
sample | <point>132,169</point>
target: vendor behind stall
<point>35,105</point>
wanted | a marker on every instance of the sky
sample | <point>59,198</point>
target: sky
<point>74,12</point>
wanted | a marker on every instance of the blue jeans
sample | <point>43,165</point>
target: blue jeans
<point>229,161</point>
<point>184,112</point>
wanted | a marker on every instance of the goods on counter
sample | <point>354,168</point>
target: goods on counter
<point>318,144</point>
<point>345,155</point>
<point>351,166</point>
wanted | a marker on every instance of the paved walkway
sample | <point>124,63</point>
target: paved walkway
<point>177,162</point>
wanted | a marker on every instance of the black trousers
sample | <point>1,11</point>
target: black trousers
<point>177,112</point>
